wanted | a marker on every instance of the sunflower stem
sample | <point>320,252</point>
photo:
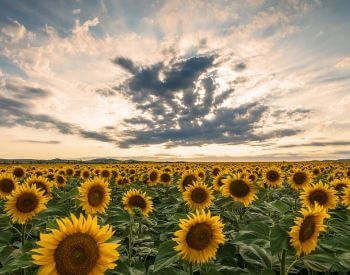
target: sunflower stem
<point>23,230</point>
<point>130,238</point>
<point>283,262</point>
<point>191,269</point>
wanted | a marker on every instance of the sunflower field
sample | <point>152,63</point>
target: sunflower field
<point>175,218</point>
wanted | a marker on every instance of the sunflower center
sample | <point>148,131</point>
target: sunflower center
<point>198,195</point>
<point>69,172</point>
<point>315,171</point>
<point>188,180</point>
<point>77,254</point>
<point>272,175</point>
<point>96,195</point>
<point>199,236</point>
<point>239,188</point>
<point>251,177</point>
<point>137,201</point>
<point>165,177</point>
<point>307,229</point>
<point>216,171</point>
<point>340,187</point>
<point>318,196</point>
<point>7,185</point>
<point>299,178</point>
<point>153,176</point>
<point>60,180</point>
<point>86,174</point>
<point>18,172</point>
<point>105,174</point>
<point>27,202</point>
<point>39,185</point>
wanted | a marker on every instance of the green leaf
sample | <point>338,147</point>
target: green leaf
<point>256,256</point>
<point>166,255</point>
<point>278,239</point>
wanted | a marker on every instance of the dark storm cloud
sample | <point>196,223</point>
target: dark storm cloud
<point>126,64</point>
<point>95,135</point>
<point>184,106</point>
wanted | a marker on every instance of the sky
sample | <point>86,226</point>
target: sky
<point>168,80</point>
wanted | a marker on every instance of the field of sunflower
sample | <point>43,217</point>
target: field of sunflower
<point>175,218</point>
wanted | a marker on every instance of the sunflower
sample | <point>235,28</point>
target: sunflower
<point>187,179</point>
<point>340,184</point>
<point>41,183</point>
<point>94,195</point>
<point>137,199</point>
<point>304,234</point>
<point>299,179</point>
<point>24,203</point>
<point>319,193</point>
<point>152,177</point>
<point>78,246</point>
<point>165,178</point>
<point>199,237</point>
<point>60,180</point>
<point>8,183</point>
<point>18,172</point>
<point>218,180</point>
<point>273,177</point>
<point>106,173</point>
<point>198,196</point>
<point>121,182</point>
<point>346,197</point>
<point>85,174</point>
<point>239,189</point>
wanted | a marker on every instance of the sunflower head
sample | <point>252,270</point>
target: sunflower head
<point>8,183</point>
<point>321,194</point>
<point>299,179</point>
<point>106,173</point>
<point>60,180</point>
<point>187,179</point>
<point>18,172</point>
<point>345,198</point>
<point>239,189</point>
<point>273,177</point>
<point>198,196</point>
<point>304,234</point>
<point>153,177</point>
<point>340,184</point>
<point>41,183</point>
<point>199,237</point>
<point>94,195</point>
<point>134,198</point>
<point>78,246</point>
<point>165,178</point>
<point>24,203</point>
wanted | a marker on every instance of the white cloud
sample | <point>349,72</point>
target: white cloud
<point>343,63</point>
<point>14,31</point>
<point>76,11</point>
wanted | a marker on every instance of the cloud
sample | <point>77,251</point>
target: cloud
<point>76,11</point>
<point>18,90</point>
<point>17,113</point>
<point>39,141</point>
<point>317,144</point>
<point>185,107</point>
<point>14,31</point>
